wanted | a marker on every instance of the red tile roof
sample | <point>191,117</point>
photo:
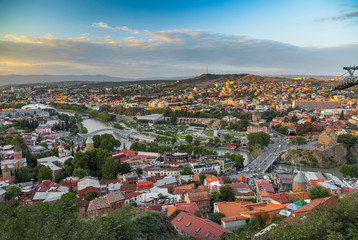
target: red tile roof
<point>327,201</point>
<point>282,197</point>
<point>198,227</point>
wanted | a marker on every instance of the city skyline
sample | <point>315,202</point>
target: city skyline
<point>140,39</point>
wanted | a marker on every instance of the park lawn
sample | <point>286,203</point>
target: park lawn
<point>234,133</point>
<point>208,133</point>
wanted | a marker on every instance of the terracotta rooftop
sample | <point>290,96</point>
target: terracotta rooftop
<point>327,201</point>
<point>198,227</point>
<point>199,196</point>
<point>282,197</point>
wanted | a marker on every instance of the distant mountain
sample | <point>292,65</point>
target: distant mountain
<point>26,79</point>
<point>211,79</point>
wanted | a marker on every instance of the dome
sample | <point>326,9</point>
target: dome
<point>300,178</point>
<point>17,148</point>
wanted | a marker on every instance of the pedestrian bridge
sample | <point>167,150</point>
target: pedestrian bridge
<point>120,131</point>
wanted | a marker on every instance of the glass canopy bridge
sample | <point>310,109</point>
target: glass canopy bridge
<point>120,131</point>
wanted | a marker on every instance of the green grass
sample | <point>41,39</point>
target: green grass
<point>208,133</point>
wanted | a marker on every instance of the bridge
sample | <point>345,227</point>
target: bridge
<point>348,81</point>
<point>120,131</point>
<point>268,157</point>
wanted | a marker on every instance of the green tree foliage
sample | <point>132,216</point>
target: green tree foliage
<point>188,138</point>
<point>74,129</point>
<point>225,194</point>
<point>61,220</point>
<point>43,144</point>
<point>79,172</point>
<point>347,139</point>
<point>269,115</point>
<point>109,169</point>
<point>228,138</point>
<point>44,173</point>
<point>92,195</point>
<point>68,196</point>
<point>261,139</point>
<point>187,171</point>
<point>23,174</point>
<point>53,152</point>
<point>118,126</point>
<point>106,141</point>
<point>349,170</point>
<point>216,217</point>
<point>124,168</point>
<point>330,222</point>
<point>237,158</point>
<point>20,140</point>
<point>198,213</point>
<point>299,140</point>
<point>318,192</point>
<point>138,170</point>
<point>84,129</point>
<point>341,116</point>
<point>91,161</point>
<point>137,146</point>
<point>281,129</point>
<point>12,191</point>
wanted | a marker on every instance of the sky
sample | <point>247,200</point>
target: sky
<point>145,39</point>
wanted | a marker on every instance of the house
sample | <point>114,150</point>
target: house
<point>263,189</point>
<point>109,202</point>
<point>86,185</point>
<point>141,185</point>
<point>175,157</point>
<point>188,224</point>
<point>243,191</point>
<point>308,208</point>
<point>281,198</point>
<point>130,178</point>
<point>202,200</point>
<point>135,198</point>
<point>186,207</point>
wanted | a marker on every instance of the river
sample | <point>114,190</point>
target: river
<point>95,124</point>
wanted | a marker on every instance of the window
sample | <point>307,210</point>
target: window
<point>180,218</point>
<point>198,229</point>
<point>207,235</point>
<point>188,224</point>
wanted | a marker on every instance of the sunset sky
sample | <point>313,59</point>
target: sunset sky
<point>140,39</point>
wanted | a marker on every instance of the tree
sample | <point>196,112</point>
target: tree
<point>216,140</point>
<point>261,139</point>
<point>109,169</point>
<point>124,168</point>
<point>68,195</point>
<point>227,194</point>
<point>187,171</point>
<point>228,138</point>
<point>299,140</point>
<point>43,144</point>
<point>74,129</point>
<point>92,195</point>
<point>106,141</point>
<point>216,217</point>
<point>137,146</point>
<point>341,116</point>
<point>54,151</point>
<point>84,129</point>
<point>318,192</point>
<point>346,170</point>
<point>44,173</point>
<point>79,172</point>
<point>198,213</point>
<point>23,174</point>
<point>12,191</point>
<point>138,170</point>
<point>188,138</point>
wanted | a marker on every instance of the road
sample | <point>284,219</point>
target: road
<point>262,162</point>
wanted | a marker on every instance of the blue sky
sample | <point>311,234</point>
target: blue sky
<point>177,38</point>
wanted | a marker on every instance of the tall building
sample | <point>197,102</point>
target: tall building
<point>89,144</point>
<point>299,183</point>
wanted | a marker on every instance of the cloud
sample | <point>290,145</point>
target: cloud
<point>167,53</point>
<point>343,16</point>
<point>100,25</point>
